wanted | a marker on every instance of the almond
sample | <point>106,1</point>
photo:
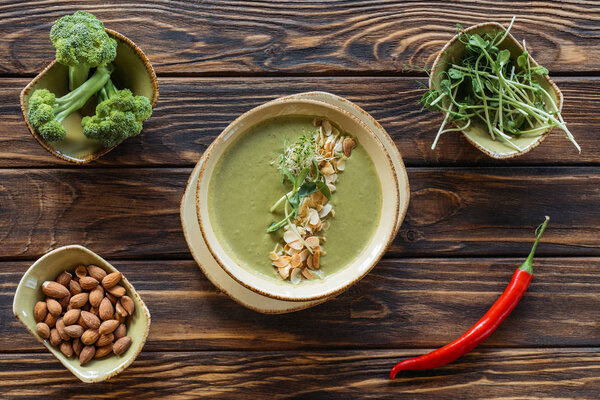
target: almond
<point>90,320</point>
<point>43,330</point>
<point>54,307</point>
<point>88,283</point>
<point>96,272</point>
<point>74,287</point>
<point>90,336</point>
<point>117,290</point>
<point>120,318</point>
<point>95,311</point>
<point>87,353</point>
<point>55,339</point>
<point>64,278</point>
<point>121,345</point>
<point>66,349</point>
<point>128,304</point>
<point>120,310</point>
<point>103,351</point>
<point>71,316</point>
<point>77,346</point>
<point>54,289</point>
<point>108,326</point>
<point>81,322</point>
<point>60,326</point>
<point>103,340</point>
<point>112,298</point>
<point>96,296</point>
<point>106,310</point>
<point>111,280</point>
<point>81,271</point>
<point>74,331</point>
<point>120,331</point>
<point>79,300</point>
<point>50,320</point>
<point>348,144</point>
<point>64,301</point>
<point>39,311</point>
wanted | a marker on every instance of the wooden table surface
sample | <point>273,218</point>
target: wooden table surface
<point>470,219</point>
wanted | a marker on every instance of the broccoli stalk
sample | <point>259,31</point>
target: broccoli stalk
<point>81,43</point>
<point>46,112</point>
<point>119,115</point>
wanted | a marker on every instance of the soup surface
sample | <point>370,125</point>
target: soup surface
<point>245,184</point>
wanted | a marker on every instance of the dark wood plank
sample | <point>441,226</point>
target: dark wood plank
<point>502,373</point>
<point>217,37</point>
<point>193,111</point>
<point>408,303</point>
<point>134,213</point>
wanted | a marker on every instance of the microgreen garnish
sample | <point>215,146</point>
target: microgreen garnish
<point>491,88</point>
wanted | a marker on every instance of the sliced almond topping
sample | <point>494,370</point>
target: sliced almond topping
<point>331,187</point>
<point>313,217</point>
<point>296,261</point>
<point>331,178</point>
<point>316,258</point>
<point>304,254</point>
<point>273,256</point>
<point>312,241</point>
<point>341,164</point>
<point>297,245</point>
<point>338,146</point>
<point>282,261</point>
<point>327,169</point>
<point>348,145</point>
<point>306,273</point>
<point>309,261</point>
<point>290,236</point>
<point>295,276</point>
<point>327,127</point>
<point>325,210</point>
<point>284,272</point>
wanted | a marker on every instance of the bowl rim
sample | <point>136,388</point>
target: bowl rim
<point>434,69</point>
<point>155,93</point>
<point>325,293</point>
<point>69,367</point>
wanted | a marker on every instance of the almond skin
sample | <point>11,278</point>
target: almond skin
<point>39,311</point>
<point>50,320</point>
<point>43,330</point>
<point>66,349</point>
<point>96,296</point>
<point>55,339</point>
<point>106,310</point>
<point>75,287</point>
<point>104,351</point>
<point>120,318</point>
<point>55,289</point>
<point>103,340</point>
<point>121,345</point>
<point>87,353</point>
<point>54,307</point>
<point>120,310</point>
<point>88,283</point>
<point>90,320</point>
<point>60,326</point>
<point>81,271</point>
<point>120,332</point>
<point>117,291</point>
<point>128,304</point>
<point>74,331</point>
<point>64,278</point>
<point>111,280</point>
<point>96,272</point>
<point>90,337</point>
<point>71,316</point>
<point>77,346</point>
<point>108,326</point>
<point>79,300</point>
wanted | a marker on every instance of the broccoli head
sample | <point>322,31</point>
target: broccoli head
<point>81,43</point>
<point>46,112</point>
<point>119,115</point>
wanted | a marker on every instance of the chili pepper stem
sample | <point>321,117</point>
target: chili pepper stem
<point>528,264</point>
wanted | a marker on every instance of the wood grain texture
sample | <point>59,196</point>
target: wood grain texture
<point>402,303</point>
<point>223,37</point>
<point>484,374</point>
<point>193,111</point>
<point>134,213</point>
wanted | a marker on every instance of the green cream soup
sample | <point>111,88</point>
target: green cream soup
<point>246,183</point>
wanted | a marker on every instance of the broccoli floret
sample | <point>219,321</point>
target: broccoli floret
<point>119,115</point>
<point>46,112</point>
<point>81,43</point>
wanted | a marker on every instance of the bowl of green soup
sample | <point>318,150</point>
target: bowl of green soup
<point>297,199</point>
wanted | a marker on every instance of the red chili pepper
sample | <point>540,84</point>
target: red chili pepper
<point>485,326</point>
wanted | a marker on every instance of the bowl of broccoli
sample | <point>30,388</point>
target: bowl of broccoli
<point>96,93</point>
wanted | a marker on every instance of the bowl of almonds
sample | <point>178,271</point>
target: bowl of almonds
<point>84,311</point>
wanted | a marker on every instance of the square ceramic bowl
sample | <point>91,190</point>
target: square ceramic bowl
<point>46,269</point>
<point>132,66</point>
<point>339,281</point>
<point>476,134</point>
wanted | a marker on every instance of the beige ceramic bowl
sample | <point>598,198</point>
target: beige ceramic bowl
<point>352,273</point>
<point>132,68</point>
<point>47,268</point>
<point>478,135</point>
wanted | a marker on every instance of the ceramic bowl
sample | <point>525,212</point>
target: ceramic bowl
<point>47,268</point>
<point>132,66</point>
<point>358,268</point>
<point>478,135</point>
